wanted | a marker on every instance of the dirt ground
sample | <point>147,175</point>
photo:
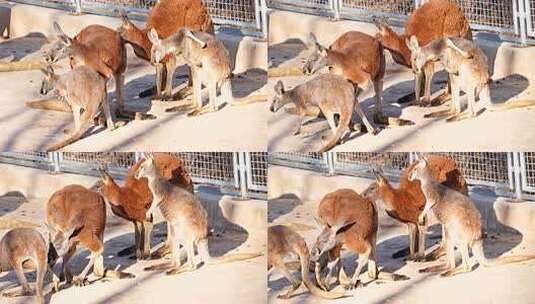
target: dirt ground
<point>490,131</point>
<point>147,287</point>
<point>232,128</point>
<point>502,284</point>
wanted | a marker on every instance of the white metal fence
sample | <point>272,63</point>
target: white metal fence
<point>249,15</point>
<point>513,17</point>
<point>509,173</point>
<point>237,173</point>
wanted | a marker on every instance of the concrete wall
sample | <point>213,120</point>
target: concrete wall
<point>222,209</point>
<point>505,58</point>
<point>497,213</point>
<point>23,19</point>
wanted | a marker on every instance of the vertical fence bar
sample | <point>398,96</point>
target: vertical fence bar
<point>54,159</point>
<point>517,175</point>
<point>335,6</point>
<point>520,19</point>
<point>264,18</point>
<point>242,167</point>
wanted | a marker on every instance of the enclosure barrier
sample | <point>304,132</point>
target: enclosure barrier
<point>235,173</point>
<point>513,18</point>
<point>249,15</point>
<point>508,173</point>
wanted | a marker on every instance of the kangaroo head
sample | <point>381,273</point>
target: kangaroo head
<point>147,168</point>
<point>420,170</point>
<point>47,84</point>
<point>418,56</point>
<point>280,98</point>
<point>392,41</point>
<point>127,28</point>
<point>329,237</point>
<point>317,53</point>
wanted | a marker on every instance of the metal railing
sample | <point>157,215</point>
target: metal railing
<point>235,173</point>
<point>508,173</point>
<point>248,15</point>
<point>513,17</point>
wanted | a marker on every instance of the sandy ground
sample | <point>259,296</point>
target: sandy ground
<point>222,282</point>
<point>490,131</point>
<point>503,284</point>
<point>232,128</point>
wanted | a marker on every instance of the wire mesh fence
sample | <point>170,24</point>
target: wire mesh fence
<point>237,13</point>
<point>220,169</point>
<point>503,16</point>
<point>496,170</point>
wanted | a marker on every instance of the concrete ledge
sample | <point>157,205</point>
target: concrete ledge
<point>497,213</point>
<point>250,52</point>
<point>224,211</point>
<point>508,58</point>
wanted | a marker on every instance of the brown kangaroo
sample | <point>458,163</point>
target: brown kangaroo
<point>407,201</point>
<point>461,220</point>
<point>166,17</point>
<point>282,242</point>
<point>187,220</point>
<point>434,19</point>
<point>19,245</point>
<point>349,220</point>
<point>76,215</point>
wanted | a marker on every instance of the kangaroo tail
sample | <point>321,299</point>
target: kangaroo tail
<point>49,104</point>
<point>342,128</point>
<point>75,137</point>
<point>228,258</point>
<point>515,104</point>
<point>304,257</point>
<point>503,260</point>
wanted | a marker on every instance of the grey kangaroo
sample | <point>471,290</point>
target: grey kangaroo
<point>333,94</point>
<point>461,221</point>
<point>187,219</point>
<point>83,89</point>
<point>16,247</point>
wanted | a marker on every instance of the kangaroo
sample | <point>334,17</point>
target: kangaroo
<point>19,245</point>
<point>166,17</point>
<point>86,48</point>
<point>209,62</point>
<point>282,242</point>
<point>83,89</point>
<point>357,56</point>
<point>76,215</point>
<point>132,200</point>
<point>348,219</point>
<point>461,221</point>
<point>468,70</point>
<point>333,95</point>
<point>406,202</point>
<point>187,219</point>
<point>434,19</point>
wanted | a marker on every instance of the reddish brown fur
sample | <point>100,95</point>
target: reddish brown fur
<point>107,58</point>
<point>76,206</point>
<point>345,206</point>
<point>407,202</point>
<point>360,56</point>
<point>167,17</point>
<point>435,19</point>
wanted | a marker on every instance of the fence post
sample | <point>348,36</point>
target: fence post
<point>329,160</point>
<point>78,6</point>
<point>335,6</point>
<point>55,159</point>
<point>242,168</point>
<point>516,171</point>
<point>520,19</point>
<point>261,17</point>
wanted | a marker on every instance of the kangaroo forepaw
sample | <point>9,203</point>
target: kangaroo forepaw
<point>80,281</point>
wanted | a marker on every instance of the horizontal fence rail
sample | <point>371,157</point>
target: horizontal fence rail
<point>508,173</point>
<point>243,173</point>
<point>248,15</point>
<point>513,17</point>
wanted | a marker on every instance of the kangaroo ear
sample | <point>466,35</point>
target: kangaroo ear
<point>378,173</point>
<point>124,17</point>
<point>189,34</point>
<point>61,35</point>
<point>153,36</point>
<point>413,44</point>
<point>279,88</point>
<point>319,223</point>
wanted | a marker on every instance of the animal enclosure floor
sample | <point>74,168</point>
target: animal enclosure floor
<point>501,284</point>
<point>231,128</point>
<point>490,131</point>
<point>209,284</point>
